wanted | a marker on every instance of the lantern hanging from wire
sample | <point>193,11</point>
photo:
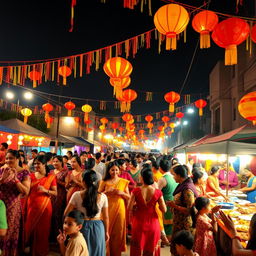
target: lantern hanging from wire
<point>129,96</point>
<point>114,127</point>
<point>253,33</point>
<point>26,112</point>
<point>172,98</point>
<point>77,121</point>
<point>64,71</point>
<point>118,87</point>
<point>228,34</point>
<point>141,133</point>
<point>104,121</point>
<point>86,109</point>
<point>165,119</point>
<point>150,126</point>
<point>170,20</point>
<point>69,106</point>
<point>200,104</point>
<point>49,120</point>
<point>34,76</point>
<point>247,107</point>
<point>180,115</point>
<point>47,107</point>
<point>121,129</point>
<point>204,22</point>
<point>172,126</point>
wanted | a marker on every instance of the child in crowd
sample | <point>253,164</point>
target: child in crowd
<point>76,244</point>
<point>184,242</point>
<point>205,226</point>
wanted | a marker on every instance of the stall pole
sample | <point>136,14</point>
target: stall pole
<point>57,131</point>
<point>227,180</point>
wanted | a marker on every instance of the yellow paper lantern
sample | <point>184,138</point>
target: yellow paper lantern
<point>170,20</point>
<point>26,112</point>
<point>86,109</point>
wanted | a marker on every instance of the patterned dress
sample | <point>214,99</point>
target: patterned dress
<point>10,195</point>
<point>204,239</point>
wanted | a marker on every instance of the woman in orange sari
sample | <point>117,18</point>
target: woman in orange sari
<point>74,179</point>
<point>117,192</point>
<point>39,207</point>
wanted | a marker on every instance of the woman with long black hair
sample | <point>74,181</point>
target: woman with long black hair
<point>94,205</point>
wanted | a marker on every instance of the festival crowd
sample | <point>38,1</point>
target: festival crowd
<point>90,203</point>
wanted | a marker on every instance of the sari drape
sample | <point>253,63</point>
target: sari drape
<point>117,218</point>
<point>39,213</point>
<point>74,187</point>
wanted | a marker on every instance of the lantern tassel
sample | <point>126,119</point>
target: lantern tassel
<point>25,119</point>
<point>128,106</point>
<point>34,83</point>
<point>231,55</point>
<point>48,125</point>
<point>69,112</point>
<point>205,41</point>
<point>85,117</point>
<point>200,111</point>
<point>64,80</point>
<point>171,107</point>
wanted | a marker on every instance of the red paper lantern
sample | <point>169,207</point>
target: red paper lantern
<point>160,128</point>
<point>180,115</point>
<point>77,121</point>
<point>253,33</point>
<point>64,71</point>
<point>104,121</point>
<point>200,104</point>
<point>115,126</point>
<point>204,22</point>
<point>118,87</point>
<point>127,117</point>
<point>49,120</point>
<point>121,129</point>
<point>69,106</point>
<point>47,108</point>
<point>149,118</point>
<point>228,34</point>
<point>172,98</point>
<point>129,96</point>
<point>150,126</point>
<point>165,119</point>
<point>35,77</point>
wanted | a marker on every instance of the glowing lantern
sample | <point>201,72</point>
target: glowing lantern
<point>247,107</point>
<point>228,34</point>
<point>149,118</point>
<point>127,117</point>
<point>115,126</point>
<point>165,119</point>
<point>117,68</point>
<point>64,71</point>
<point>104,121</point>
<point>49,120</point>
<point>150,126</point>
<point>118,87</point>
<point>141,133</point>
<point>77,121</point>
<point>102,128</point>
<point>204,22</point>
<point>121,129</point>
<point>26,112</point>
<point>34,76</point>
<point>47,108</point>
<point>69,106</point>
<point>160,128</point>
<point>172,126</point>
<point>253,34</point>
<point>180,115</point>
<point>87,122</point>
<point>171,20</point>
<point>200,104</point>
<point>172,98</point>
<point>129,96</point>
<point>86,109</point>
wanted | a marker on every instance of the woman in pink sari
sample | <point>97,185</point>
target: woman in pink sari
<point>74,179</point>
<point>39,207</point>
<point>14,181</point>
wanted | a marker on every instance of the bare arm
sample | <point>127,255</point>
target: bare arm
<point>161,183</point>
<point>106,222</point>
<point>124,194</point>
<point>131,202</point>
<point>52,191</point>
<point>246,189</point>
<point>162,205</point>
<point>24,186</point>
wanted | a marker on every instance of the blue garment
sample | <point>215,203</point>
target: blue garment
<point>94,234</point>
<point>251,195</point>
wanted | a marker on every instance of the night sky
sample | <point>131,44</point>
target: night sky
<point>39,29</point>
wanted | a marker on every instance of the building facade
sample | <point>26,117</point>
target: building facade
<point>228,84</point>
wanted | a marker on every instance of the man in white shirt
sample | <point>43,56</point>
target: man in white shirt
<point>100,167</point>
<point>34,154</point>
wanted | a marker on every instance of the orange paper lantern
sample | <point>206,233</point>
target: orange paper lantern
<point>49,120</point>
<point>228,34</point>
<point>34,76</point>
<point>115,126</point>
<point>172,98</point>
<point>180,115</point>
<point>165,119</point>
<point>118,87</point>
<point>86,109</point>
<point>247,107</point>
<point>69,106</point>
<point>64,71</point>
<point>121,129</point>
<point>129,96</point>
<point>150,126</point>
<point>127,117</point>
<point>149,118</point>
<point>171,20</point>
<point>77,121</point>
<point>26,112</point>
<point>47,108</point>
<point>204,22</point>
<point>200,104</point>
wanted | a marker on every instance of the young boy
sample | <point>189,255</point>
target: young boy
<point>184,242</point>
<point>76,244</point>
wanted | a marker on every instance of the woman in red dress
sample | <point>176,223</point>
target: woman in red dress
<point>145,224</point>
<point>39,207</point>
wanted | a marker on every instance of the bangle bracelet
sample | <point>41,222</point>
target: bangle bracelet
<point>17,181</point>
<point>236,237</point>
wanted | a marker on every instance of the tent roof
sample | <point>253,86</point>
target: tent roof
<point>20,126</point>
<point>184,145</point>
<point>76,140</point>
<point>9,130</point>
<point>201,140</point>
<point>224,147</point>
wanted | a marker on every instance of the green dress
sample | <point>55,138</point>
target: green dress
<point>168,196</point>
<point>135,176</point>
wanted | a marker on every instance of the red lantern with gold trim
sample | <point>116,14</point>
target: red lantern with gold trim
<point>150,126</point>
<point>129,96</point>
<point>47,107</point>
<point>172,98</point>
<point>104,121</point>
<point>180,115</point>
<point>64,71</point>
<point>247,107</point>
<point>149,118</point>
<point>77,121</point>
<point>127,117</point>
<point>69,106</point>
<point>121,129</point>
<point>200,104</point>
<point>204,22</point>
<point>35,76</point>
<point>118,87</point>
<point>165,119</point>
<point>115,126</point>
<point>49,120</point>
<point>228,34</point>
